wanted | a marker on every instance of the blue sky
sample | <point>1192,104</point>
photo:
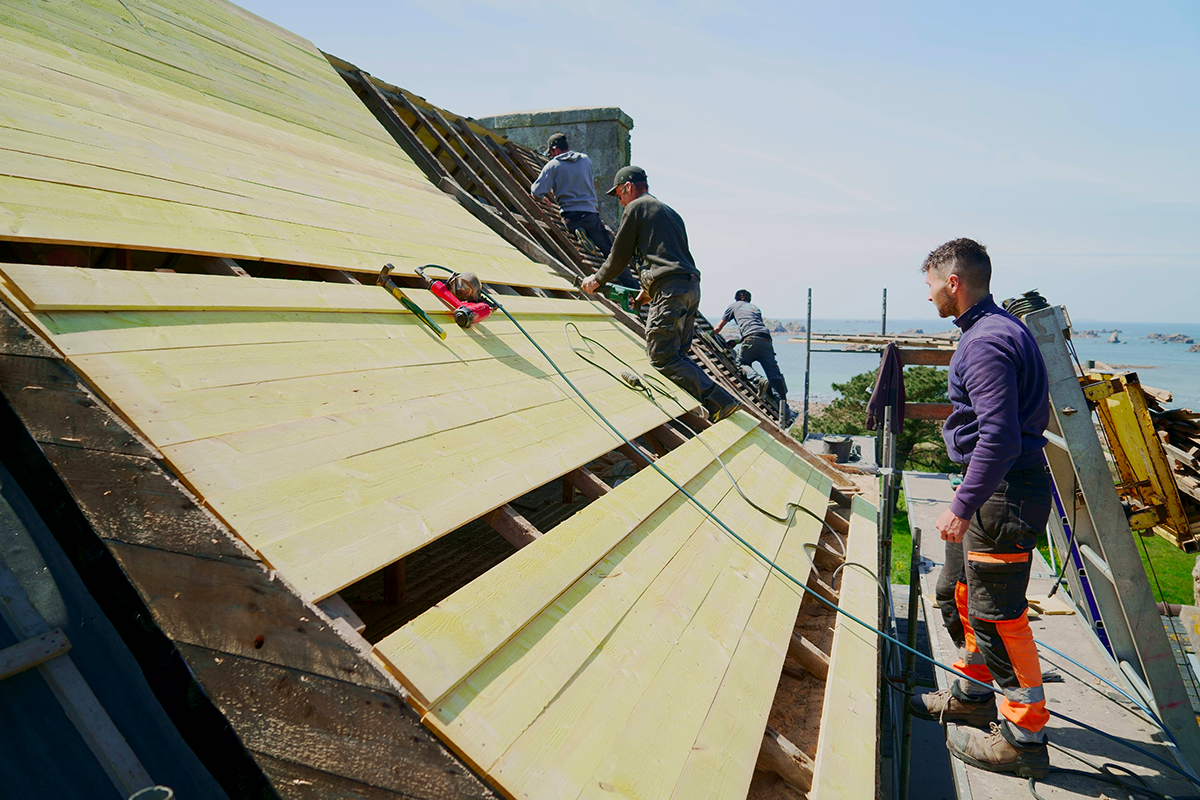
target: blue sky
<point>832,145</point>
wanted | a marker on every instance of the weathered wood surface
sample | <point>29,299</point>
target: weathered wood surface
<point>18,339</point>
<point>331,726</point>
<point>201,128</point>
<point>219,605</point>
<point>55,406</point>
<point>31,652</point>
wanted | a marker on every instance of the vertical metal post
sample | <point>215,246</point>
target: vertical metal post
<point>807,364</point>
<point>883,320</point>
<point>887,492</point>
<point>910,663</point>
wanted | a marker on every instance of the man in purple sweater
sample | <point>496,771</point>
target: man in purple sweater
<point>1000,399</point>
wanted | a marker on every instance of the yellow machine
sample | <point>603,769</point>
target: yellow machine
<point>1146,481</point>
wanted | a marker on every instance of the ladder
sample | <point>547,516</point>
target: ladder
<point>1124,614</point>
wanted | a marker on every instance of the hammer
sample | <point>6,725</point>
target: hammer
<point>386,282</point>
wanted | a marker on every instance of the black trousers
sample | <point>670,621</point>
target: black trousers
<point>981,594</point>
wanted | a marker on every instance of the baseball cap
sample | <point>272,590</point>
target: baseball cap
<point>626,175</point>
<point>557,140</point>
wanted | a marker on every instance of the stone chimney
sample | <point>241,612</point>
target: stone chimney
<point>602,133</point>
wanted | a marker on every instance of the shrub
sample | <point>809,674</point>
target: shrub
<point>919,446</point>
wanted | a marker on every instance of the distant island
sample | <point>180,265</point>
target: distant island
<point>1094,334</point>
<point>1172,338</point>
<point>779,326</point>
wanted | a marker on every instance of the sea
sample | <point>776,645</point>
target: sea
<point>1164,366</point>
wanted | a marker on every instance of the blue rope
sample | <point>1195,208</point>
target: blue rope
<point>770,563</point>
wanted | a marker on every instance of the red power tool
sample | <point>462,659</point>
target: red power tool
<point>460,293</point>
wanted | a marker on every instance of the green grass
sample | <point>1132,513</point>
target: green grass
<point>901,543</point>
<point>1172,566</point>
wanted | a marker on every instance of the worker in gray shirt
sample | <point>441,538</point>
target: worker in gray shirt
<point>756,344</point>
<point>568,175</point>
<point>653,235</point>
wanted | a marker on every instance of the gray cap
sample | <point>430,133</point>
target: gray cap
<point>627,175</point>
<point>557,141</point>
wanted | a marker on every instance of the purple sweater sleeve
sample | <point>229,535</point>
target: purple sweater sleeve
<point>990,375</point>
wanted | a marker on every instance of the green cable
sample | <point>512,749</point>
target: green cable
<point>772,565</point>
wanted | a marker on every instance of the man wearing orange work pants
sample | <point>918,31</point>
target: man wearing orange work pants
<point>999,393</point>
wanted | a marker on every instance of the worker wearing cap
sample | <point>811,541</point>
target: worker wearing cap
<point>568,175</point>
<point>653,234</point>
<point>1000,407</point>
<point>756,343</point>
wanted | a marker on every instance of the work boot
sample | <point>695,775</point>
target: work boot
<point>998,751</point>
<point>953,705</point>
<point>724,410</point>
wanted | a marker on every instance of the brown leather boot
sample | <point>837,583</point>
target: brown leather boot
<point>996,752</point>
<point>952,705</point>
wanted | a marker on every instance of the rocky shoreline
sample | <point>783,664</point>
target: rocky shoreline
<point>1172,338</point>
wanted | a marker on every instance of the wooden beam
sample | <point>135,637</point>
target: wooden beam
<point>513,527</point>
<point>32,652</point>
<point>667,436</point>
<point>825,558</point>
<point>587,483</point>
<point>927,411</point>
<point>92,722</point>
<point>837,522</point>
<point>789,762</point>
<point>822,588</point>
<point>383,110</point>
<point>513,235</point>
<point>637,455</point>
<point>217,265</point>
<point>809,656</point>
<point>926,357</point>
<point>394,576</point>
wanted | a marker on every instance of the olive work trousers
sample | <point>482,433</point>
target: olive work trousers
<point>669,329</point>
<point>981,594</point>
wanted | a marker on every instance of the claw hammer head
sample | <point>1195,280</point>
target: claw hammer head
<point>384,275</point>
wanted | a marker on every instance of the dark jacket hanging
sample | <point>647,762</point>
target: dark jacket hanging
<point>888,392</point>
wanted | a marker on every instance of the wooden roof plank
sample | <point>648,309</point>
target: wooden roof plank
<point>78,289</point>
<point>647,758</point>
<point>558,755</point>
<point>723,758</point>
<point>356,200</point>
<point>440,648</point>
<point>325,557</point>
<point>494,705</point>
<point>848,733</point>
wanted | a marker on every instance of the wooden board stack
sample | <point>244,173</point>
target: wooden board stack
<point>1179,431</point>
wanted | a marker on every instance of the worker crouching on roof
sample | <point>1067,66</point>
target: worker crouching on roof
<point>568,177</point>
<point>1000,399</point>
<point>652,232</point>
<point>755,344</point>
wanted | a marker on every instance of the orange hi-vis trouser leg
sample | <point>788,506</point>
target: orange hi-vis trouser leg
<point>970,661</point>
<point>1007,645</point>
